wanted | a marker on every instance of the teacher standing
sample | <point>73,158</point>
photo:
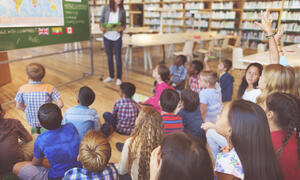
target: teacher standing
<point>113,13</point>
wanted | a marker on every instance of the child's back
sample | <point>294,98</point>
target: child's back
<point>34,94</point>
<point>81,116</point>
<point>226,80</point>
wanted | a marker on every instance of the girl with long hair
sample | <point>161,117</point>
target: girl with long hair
<point>297,81</point>
<point>181,157</point>
<point>146,136</point>
<point>250,154</point>
<point>276,78</point>
<point>248,88</point>
<point>283,114</point>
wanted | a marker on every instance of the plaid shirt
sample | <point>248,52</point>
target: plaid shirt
<point>126,110</point>
<point>194,83</point>
<point>109,173</point>
<point>34,95</point>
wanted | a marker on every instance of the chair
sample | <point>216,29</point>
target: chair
<point>261,48</point>
<point>223,47</point>
<point>187,50</point>
<point>237,43</point>
<point>237,54</point>
<point>210,48</point>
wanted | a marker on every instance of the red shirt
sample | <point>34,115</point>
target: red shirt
<point>289,158</point>
<point>172,123</point>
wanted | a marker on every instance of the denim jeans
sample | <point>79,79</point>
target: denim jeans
<point>215,142</point>
<point>116,46</point>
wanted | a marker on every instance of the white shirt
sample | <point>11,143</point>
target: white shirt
<point>251,95</point>
<point>113,18</point>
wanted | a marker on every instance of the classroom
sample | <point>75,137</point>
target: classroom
<point>150,89</point>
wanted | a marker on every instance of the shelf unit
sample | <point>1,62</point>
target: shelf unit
<point>224,16</point>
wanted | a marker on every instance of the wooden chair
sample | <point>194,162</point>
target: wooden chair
<point>187,50</point>
<point>236,55</point>
<point>210,48</point>
<point>221,48</point>
<point>237,43</point>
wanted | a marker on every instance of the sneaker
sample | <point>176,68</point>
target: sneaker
<point>119,82</point>
<point>119,146</point>
<point>107,80</point>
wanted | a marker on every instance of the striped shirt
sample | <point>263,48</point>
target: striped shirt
<point>108,173</point>
<point>34,95</point>
<point>194,83</point>
<point>172,123</point>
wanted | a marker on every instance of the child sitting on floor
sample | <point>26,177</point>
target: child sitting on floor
<point>81,116</point>
<point>169,100</point>
<point>124,113</point>
<point>178,72</point>
<point>34,94</point>
<point>191,114</point>
<point>210,96</point>
<point>11,151</point>
<point>94,155</point>
<point>161,74</point>
<point>60,145</point>
<point>194,75</point>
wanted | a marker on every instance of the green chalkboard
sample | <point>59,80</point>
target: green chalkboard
<point>33,23</point>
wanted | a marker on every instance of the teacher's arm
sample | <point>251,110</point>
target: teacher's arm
<point>102,19</point>
<point>123,21</point>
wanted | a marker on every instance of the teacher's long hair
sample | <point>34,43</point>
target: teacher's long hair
<point>112,5</point>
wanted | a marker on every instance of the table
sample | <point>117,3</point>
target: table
<point>148,40</point>
<point>292,54</point>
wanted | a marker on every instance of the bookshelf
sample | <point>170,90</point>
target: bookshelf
<point>235,17</point>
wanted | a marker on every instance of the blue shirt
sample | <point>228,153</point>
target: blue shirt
<point>60,147</point>
<point>192,122</point>
<point>213,99</point>
<point>83,118</point>
<point>108,173</point>
<point>178,73</point>
<point>226,83</point>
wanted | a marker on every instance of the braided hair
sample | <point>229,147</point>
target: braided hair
<point>286,108</point>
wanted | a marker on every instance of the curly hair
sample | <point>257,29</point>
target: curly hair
<point>146,136</point>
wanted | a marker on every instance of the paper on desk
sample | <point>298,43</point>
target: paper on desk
<point>139,98</point>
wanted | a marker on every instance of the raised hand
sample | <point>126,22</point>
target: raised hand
<point>266,22</point>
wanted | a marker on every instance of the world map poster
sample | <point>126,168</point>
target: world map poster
<point>31,13</point>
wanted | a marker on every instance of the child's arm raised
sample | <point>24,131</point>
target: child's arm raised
<point>206,64</point>
<point>59,102</point>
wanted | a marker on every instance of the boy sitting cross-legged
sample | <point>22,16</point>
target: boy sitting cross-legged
<point>60,145</point>
<point>124,113</point>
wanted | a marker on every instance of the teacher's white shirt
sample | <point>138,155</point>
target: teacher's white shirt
<point>113,18</point>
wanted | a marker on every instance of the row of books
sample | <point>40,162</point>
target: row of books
<point>223,24</point>
<point>173,22</point>
<point>194,23</point>
<point>256,15</point>
<point>289,16</point>
<point>151,1</point>
<point>222,5</point>
<point>173,6</point>
<point>151,6</point>
<point>194,6</point>
<point>294,27</point>
<point>292,4</point>
<point>151,14</point>
<point>262,5</point>
<point>246,25</point>
<point>223,15</point>
<point>253,35</point>
<point>291,38</point>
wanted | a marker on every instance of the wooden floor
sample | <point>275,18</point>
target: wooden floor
<point>65,67</point>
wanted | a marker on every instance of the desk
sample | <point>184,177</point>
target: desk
<point>292,54</point>
<point>148,40</point>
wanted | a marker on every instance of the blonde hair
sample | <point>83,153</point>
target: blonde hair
<point>277,79</point>
<point>94,151</point>
<point>210,77</point>
<point>35,71</point>
<point>297,81</point>
<point>146,136</point>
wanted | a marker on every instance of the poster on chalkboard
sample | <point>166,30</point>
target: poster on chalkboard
<point>31,23</point>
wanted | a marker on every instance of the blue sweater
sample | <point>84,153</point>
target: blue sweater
<point>226,83</point>
<point>192,122</point>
